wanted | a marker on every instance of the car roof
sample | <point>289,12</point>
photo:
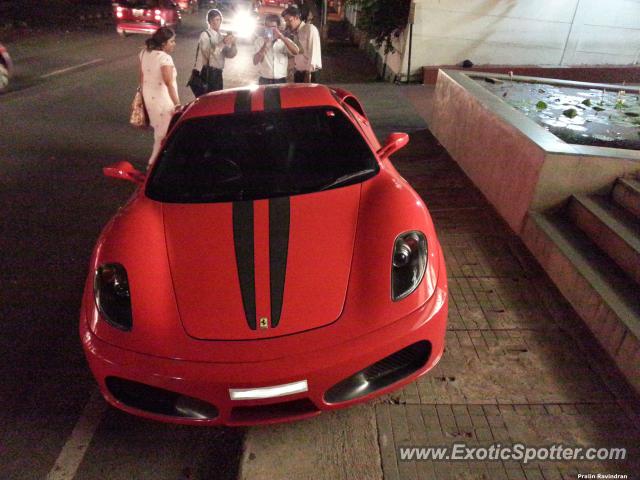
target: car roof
<point>261,98</point>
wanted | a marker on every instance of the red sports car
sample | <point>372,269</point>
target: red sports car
<point>272,264</point>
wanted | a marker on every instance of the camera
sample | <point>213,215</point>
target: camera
<point>268,33</point>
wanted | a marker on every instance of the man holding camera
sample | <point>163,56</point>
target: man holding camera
<point>215,48</point>
<point>308,61</point>
<point>272,52</point>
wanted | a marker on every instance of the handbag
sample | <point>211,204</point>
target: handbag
<point>139,116</point>
<point>197,84</point>
<point>198,81</point>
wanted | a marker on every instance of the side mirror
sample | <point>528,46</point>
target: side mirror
<point>124,171</point>
<point>395,142</point>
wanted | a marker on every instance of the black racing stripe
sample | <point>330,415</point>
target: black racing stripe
<point>272,99</point>
<point>243,242</point>
<point>243,101</point>
<point>279,221</point>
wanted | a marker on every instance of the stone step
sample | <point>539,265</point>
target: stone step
<point>626,193</point>
<point>597,288</point>
<point>610,227</point>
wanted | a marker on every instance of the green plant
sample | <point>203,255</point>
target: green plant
<point>382,19</point>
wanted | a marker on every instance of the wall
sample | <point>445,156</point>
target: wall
<point>522,32</point>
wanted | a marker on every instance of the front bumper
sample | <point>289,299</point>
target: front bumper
<point>321,369</point>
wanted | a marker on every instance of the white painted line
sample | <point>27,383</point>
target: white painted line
<point>68,69</point>
<point>73,451</point>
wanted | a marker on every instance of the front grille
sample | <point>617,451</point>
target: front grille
<point>381,374</point>
<point>158,400</point>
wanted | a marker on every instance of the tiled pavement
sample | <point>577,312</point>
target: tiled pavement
<point>519,366</point>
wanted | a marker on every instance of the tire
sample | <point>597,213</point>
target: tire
<point>4,77</point>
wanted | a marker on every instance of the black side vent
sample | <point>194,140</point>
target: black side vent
<point>159,401</point>
<point>381,374</point>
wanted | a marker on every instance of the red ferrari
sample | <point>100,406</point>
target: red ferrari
<point>272,264</point>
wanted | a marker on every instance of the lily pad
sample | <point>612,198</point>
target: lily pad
<point>598,109</point>
<point>541,105</point>
<point>632,114</point>
<point>570,112</point>
<point>587,102</point>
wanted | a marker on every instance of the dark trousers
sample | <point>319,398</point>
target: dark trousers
<point>271,81</point>
<point>298,76</point>
<point>213,77</point>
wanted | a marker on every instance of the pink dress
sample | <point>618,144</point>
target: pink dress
<point>156,94</point>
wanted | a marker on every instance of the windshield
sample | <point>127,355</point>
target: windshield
<point>260,155</point>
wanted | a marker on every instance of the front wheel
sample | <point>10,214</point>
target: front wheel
<point>4,77</point>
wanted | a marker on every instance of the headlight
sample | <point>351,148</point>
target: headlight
<point>408,263</point>
<point>113,299</point>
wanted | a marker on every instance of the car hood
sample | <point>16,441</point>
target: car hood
<point>263,268</point>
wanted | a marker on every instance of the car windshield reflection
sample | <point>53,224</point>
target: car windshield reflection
<point>260,155</point>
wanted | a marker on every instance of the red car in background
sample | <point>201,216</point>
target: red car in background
<point>275,5</point>
<point>188,6</point>
<point>145,16</point>
<point>6,67</point>
<point>272,264</point>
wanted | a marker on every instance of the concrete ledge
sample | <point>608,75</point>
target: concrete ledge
<point>603,297</point>
<point>593,73</point>
<point>517,164</point>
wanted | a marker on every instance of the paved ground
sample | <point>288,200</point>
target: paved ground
<point>518,366</point>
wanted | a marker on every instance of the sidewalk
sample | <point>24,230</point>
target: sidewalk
<point>519,367</point>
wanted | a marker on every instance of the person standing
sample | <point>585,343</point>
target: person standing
<point>158,82</point>
<point>272,52</point>
<point>308,61</point>
<point>215,48</point>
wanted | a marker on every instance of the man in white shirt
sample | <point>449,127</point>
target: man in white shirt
<point>215,48</point>
<point>272,52</point>
<point>308,61</point>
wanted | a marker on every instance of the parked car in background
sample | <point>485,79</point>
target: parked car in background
<point>188,6</point>
<point>279,4</point>
<point>6,67</point>
<point>145,16</point>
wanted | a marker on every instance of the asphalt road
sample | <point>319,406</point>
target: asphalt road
<point>64,118</point>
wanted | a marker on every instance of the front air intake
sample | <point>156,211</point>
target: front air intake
<point>381,374</point>
<point>158,400</point>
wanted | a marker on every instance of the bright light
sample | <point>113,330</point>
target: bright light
<point>243,24</point>
<point>268,392</point>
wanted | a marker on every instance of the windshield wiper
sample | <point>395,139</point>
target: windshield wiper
<point>344,179</point>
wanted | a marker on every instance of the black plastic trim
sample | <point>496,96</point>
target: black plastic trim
<point>158,400</point>
<point>381,374</point>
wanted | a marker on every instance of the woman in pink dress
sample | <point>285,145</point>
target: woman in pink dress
<point>158,81</point>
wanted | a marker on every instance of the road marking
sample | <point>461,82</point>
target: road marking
<point>73,451</point>
<point>68,69</point>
